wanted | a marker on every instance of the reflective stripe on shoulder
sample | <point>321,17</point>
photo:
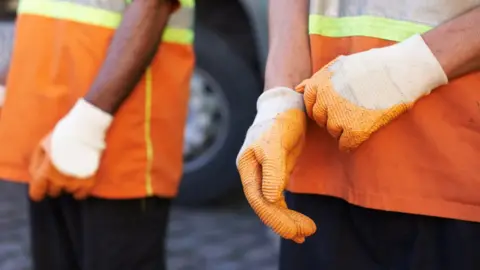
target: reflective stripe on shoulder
<point>179,29</point>
<point>70,11</point>
<point>431,12</point>
<point>390,20</point>
<point>187,3</point>
<point>369,26</point>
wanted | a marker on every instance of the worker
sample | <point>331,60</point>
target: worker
<point>372,125</point>
<point>96,104</point>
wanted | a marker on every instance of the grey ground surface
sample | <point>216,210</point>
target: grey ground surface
<point>228,237</point>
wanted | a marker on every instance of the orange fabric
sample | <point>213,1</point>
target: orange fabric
<point>424,162</point>
<point>49,75</point>
<point>48,181</point>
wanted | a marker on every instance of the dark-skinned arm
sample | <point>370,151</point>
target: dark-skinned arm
<point>456,44</point>
<point>288,61</point>
<point>6,47</point>
<point>132,49</point>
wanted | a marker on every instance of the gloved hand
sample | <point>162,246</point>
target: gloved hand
<point>68,158</point>
<point>353,96</point>
<point>267,158</point>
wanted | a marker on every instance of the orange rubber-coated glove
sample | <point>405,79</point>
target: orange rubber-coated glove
<point>68,158</point>
<point>267,158</point>
<point>353,96</point>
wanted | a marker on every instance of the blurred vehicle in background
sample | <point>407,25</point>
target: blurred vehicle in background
<point>230,46</point>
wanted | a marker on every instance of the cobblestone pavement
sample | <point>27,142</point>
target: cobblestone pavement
<point>217,238</point>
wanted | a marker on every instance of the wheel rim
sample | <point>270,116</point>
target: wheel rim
<point>207,123</point>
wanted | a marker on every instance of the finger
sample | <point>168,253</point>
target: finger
<point>37,162</point>
<point>349,140</point>
<point>37,189</point>
<point>298,240</point>
<point>319,110</point>
<point>305,225</point>
<point>274,171</point>
<point>281,202</point>
<point>250,174</point>
<point>271,215</point>
<point>53,190</point>
<point>334,124</point>
<point>310,98</point>
<point>46,171</point>
<point>72,185</point>
<point>69,184</point>
<point>84,191</point>
<point>341,115</point>
<point>297,218</point>
<point>81,194</point>
<point>38,170</point>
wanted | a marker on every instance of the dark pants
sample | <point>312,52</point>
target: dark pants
<point>349,237</point>
<point>99,234</point>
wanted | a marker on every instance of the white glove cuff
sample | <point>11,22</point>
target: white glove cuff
<point>269,105</point>
<point>86,123</point>
<point>275,101</point>
<point>426,71</point>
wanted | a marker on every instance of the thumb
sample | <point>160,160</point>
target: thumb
<point>250,175</point>
<point>300,88</point>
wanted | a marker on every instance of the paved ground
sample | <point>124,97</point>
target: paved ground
<point>219,238</point>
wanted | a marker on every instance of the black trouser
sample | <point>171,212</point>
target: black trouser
<point>349,237</point>
<point>99,234</point>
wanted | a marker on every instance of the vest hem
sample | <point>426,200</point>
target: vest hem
<point>9,174</point>
<point>388,202</point>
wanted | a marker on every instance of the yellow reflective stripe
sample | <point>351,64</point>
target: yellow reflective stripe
<point>187,3</point>
<point>71,11</point>
<point>176,35</point>
<point>93,16</point>
<point>369,26</point>
<point>148,132</point>
<point>184,3</point>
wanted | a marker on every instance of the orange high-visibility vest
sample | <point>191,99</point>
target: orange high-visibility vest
<point>59,48</point>
<point>425,162</point>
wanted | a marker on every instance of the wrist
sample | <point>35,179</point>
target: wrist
<point>416,69</point>
<point>277,100</point>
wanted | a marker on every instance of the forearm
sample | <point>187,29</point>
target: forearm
<point>131,51</point>
<point>288,60</point>
<point>3,75</point>
<point>6,48</point>
<point>456,44</point>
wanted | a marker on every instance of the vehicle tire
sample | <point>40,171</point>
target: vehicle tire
<point>212,174</point>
